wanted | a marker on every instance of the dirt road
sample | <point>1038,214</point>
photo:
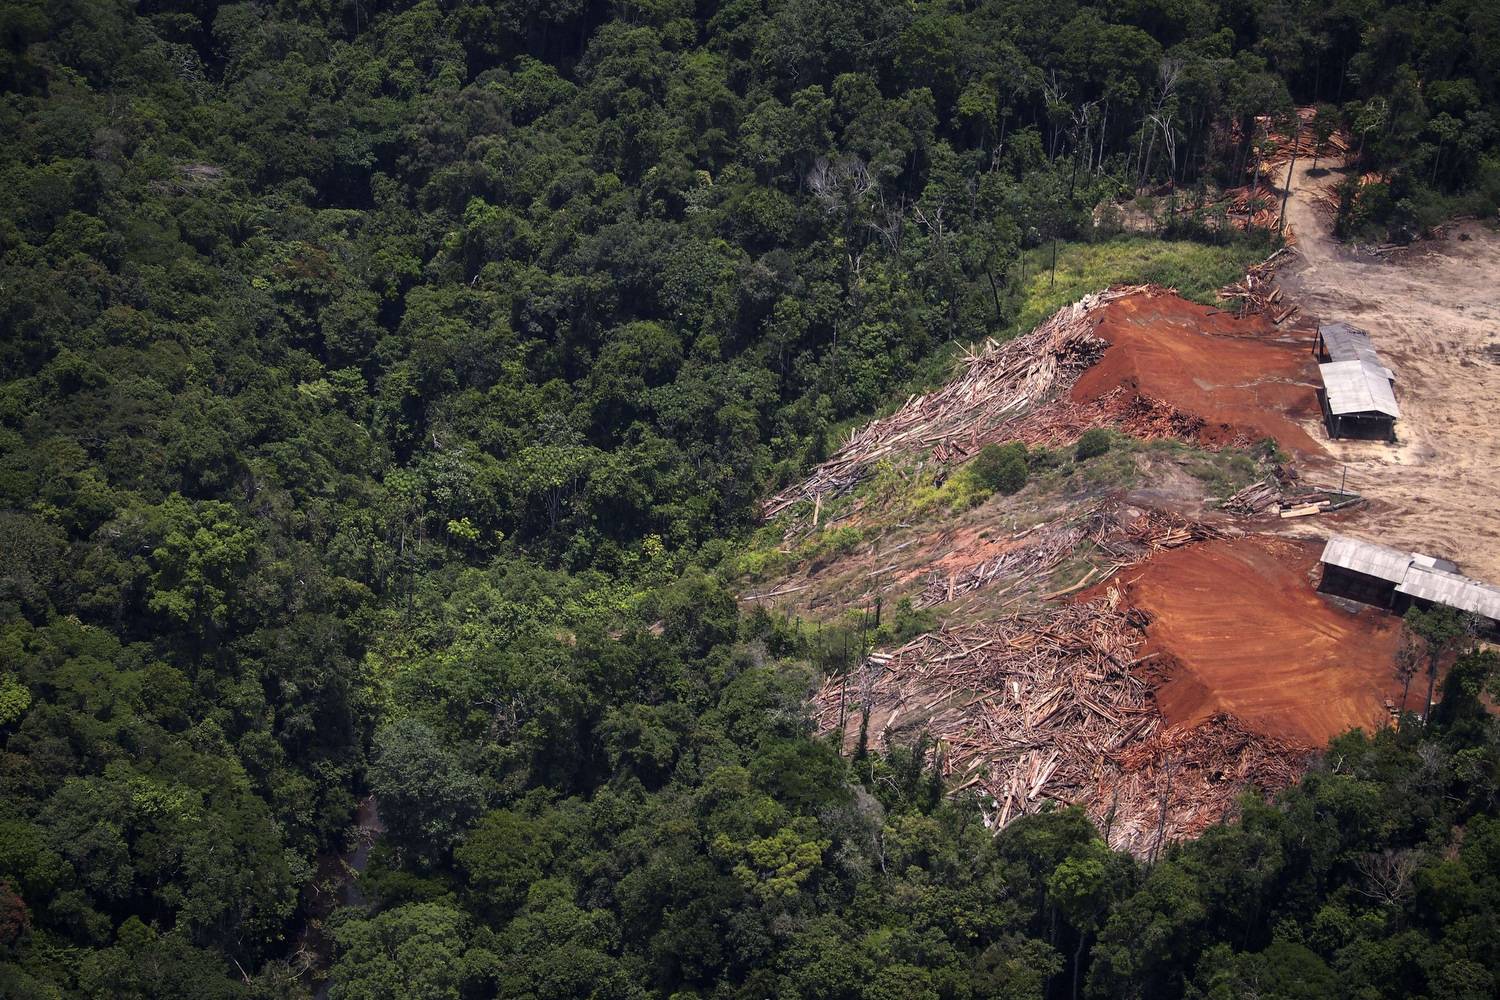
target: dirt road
<point>1435,318</point>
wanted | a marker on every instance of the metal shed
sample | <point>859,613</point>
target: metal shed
<point>1395,580</point>
<point>1451,590</point>
<point>1342,342</point>
<point>1358,400</point>
<point>1367,558</point>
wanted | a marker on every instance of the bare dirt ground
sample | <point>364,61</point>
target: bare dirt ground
<point>1242,631</point>
<point>1435,318</point>
<point>1244,377</point>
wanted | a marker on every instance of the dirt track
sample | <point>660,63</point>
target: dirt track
<point>1244,632</point>
<point>1244,377</point>
<point>1435,318</point>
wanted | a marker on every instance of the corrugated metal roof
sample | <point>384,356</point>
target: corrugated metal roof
<point>1379,561</point>
<point>1346,343</point>
<point>1428,578</point>
<point>1358,387</point>
<point>1434,562</point>
<point>1452,590</point>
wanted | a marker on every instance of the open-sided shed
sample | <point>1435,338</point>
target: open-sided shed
<point>1358,400</point>
<point>1363,571</point>
<point>1452,590</point>
<point>1390,578</point>
<point>1342,342</point>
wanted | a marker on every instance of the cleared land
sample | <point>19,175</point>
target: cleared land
<point>1435,318</point>
<point>1140,359</point>
<point>1243,631</point>
<point>1200,661</point>
<point>1245,378</point>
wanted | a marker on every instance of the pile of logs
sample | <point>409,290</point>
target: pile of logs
<point>1288,499</point>
<point>1026,708</point>
<point>1184,779</point>
<point>1051,706</point>
<point>1305,143</point>
<point>1258,293</point>
<point>1257,498</point>
<point>1256,206</point>
<point>996,386</point>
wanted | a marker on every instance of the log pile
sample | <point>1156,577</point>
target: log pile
<point>997,385</point>
<point>1257,498</point>
<point>1050,706</point>
<point>1122,408</point>
<point>1304,144</point>
<point>1288,499</point>
<point>1256,206</point>
<point>1183,779</point>
<point>1027,708</point>
<point>1258,293</point>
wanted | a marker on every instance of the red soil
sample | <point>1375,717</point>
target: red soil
<point>1246,378</point>
<point>1243,631</point>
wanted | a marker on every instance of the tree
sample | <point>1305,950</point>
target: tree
<point>425,789</point>
<point>1443,631</point>
<point>421,951</point>
<point>1000,468</point>
<point>1324,123</point>
<point>1092,443</point>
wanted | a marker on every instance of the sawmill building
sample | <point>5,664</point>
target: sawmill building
<point>1396,580</point>
<point>1358,395</point>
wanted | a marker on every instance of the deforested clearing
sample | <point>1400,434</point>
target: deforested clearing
<point>1244,378</point>
<point>1244,632</point>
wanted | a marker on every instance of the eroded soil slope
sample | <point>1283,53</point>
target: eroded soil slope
<point>1243,631</point>
<point>1244,377</point>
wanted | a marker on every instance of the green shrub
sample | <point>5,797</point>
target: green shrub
<point>909,621</point>
<point>1000,468</point>
<point>1092,444</point>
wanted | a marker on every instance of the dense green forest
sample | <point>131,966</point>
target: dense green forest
<point>384,384</point>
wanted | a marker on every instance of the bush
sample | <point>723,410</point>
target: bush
<point>1092,444</point>
<point>1000,468</point>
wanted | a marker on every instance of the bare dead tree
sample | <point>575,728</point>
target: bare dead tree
<point>1162,117</point>
<point>1387,875</point>
<point>890,223</point>
<point>839,183</point>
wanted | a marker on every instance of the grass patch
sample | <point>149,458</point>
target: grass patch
<point>1197,270</point>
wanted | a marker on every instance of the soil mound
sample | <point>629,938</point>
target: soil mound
<point>1242,631</point>
<point>1245,378</point>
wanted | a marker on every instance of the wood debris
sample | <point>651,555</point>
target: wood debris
<point>1049,706</point>
<point>1304,144</point>
<point>996,386</point>
<point>1288,498</point>
<point>1122,534</point>
<point>1184,779</point>
<point>1258,293</point>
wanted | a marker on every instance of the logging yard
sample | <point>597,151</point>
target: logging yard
<point>1139,630</point>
